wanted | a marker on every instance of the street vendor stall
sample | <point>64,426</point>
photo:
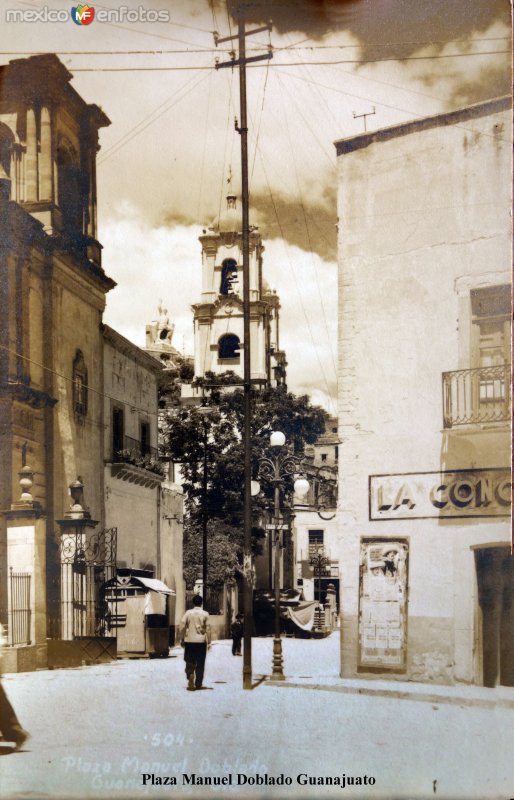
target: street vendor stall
<point>139,614</point>
<point>296,614</point>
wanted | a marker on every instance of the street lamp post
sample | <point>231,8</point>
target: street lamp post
<point>275,470</point>
<point>204,411</point>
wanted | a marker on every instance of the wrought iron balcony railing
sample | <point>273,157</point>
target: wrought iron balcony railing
<point>472,396</point>
<point>132,451</point>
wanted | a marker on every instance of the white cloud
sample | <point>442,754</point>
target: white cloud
<point>307,287</point>
<point>151,264</point>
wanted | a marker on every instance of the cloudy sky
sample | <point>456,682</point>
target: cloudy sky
<point>164,160</point>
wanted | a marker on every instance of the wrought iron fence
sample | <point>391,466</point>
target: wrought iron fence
<point>476,395</point>
<point>19,608</point>
<point>88,560</point>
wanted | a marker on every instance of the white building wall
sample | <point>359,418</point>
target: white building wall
<point>131,506</point>
<point>424,214</point>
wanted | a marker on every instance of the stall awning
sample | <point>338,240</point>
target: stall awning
<point>303,614</point>
<point>154,584</point>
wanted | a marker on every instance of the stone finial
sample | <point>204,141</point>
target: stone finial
<point>77,511</point>
<point>26,480</point>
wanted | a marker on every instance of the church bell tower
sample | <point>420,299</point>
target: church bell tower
<point>218,317</point>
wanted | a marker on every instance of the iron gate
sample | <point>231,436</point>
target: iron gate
<point>88,560</point>
<point>19,608</point>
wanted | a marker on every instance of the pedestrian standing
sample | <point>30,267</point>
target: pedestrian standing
<point>9,725</point>
<point>236,629</point>
<point>196,637</point>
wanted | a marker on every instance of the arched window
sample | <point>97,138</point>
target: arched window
<point>79,384</point>
<point>228,347</point>
<point>69,188</point>
<point>228,276</point>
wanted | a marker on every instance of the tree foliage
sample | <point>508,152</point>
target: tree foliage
<point>208,441</point>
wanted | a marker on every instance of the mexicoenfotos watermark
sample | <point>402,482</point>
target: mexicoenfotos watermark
<point>85,14</point>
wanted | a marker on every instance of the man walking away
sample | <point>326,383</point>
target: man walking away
<point>196,637</point>
<point>236,629</point>
<point>9,725</point>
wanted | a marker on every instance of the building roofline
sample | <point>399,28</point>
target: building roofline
<point>438,120</point>
<point>44,76</point>
<point>131,350</point>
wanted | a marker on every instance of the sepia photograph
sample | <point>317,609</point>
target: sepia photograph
<point>256,400</point>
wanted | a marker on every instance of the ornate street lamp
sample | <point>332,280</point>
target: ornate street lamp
<point>275,470</point>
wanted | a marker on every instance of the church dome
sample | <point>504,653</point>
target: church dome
<point>229,220</point>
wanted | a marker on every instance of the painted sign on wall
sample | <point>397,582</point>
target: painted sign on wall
<point>450,494</point>
<point>383,604</point>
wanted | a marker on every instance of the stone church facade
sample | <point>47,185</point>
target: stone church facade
<point>54,291</point>
<point>60,529</point>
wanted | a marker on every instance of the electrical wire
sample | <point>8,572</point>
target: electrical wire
<point>288,48</point>
<point>91,389</point>
<point>302,206</point>
<point>229,128</point>
<point>295,281</point>
<point>204,149</point>
<point>150,119</point>
<point>391,106</point>
<point>296,63</point>
<point>258,128</point>
<point>131,29</point>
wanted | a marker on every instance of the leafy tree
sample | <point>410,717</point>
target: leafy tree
<point>208,443</point>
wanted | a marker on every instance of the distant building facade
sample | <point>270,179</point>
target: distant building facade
<point>315,529</point>
<point>145,508</point>
<point>424,507</point>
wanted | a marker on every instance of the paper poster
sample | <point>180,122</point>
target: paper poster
<point>383,604</point>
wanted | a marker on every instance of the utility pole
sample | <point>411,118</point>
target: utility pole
<point>241,62</point>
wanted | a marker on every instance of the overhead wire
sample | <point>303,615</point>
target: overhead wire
<point>229,141</point>
<point>131,29</point>
<point>302,206</point>
<point>121,143</point>
<point>89,388</point>
<point>295,281</point>
<point>204,149</point>
<point>152,117</point>
<point>296,63</point>
<point>322,98</point>
<point>258,128</point>
<point>385,105</point>
<point>250,48</point>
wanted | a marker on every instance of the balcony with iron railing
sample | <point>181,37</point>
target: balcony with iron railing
<point>477,396</point>
<point>136,461</point>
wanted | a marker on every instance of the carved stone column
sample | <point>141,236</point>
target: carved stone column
<point>45,160</point>
<point>31,193</point>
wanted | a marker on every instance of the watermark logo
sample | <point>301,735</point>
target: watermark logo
<point>82,15</point>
